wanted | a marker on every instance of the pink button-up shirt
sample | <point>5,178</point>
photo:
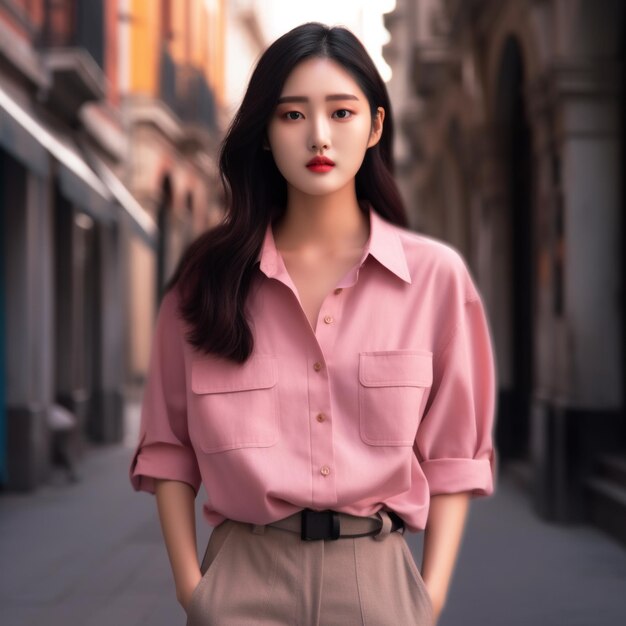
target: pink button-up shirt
<point>389,401</point>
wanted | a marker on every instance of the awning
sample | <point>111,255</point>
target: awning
<point>142,223</point>
<point>95,191</point>
<point>19,141</point>
<point>20,133</point>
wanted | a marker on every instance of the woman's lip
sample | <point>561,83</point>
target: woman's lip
<point>320,167</point>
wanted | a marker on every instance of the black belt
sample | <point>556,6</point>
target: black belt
<point>314,525</point>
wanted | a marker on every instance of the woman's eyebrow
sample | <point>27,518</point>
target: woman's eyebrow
<point>335,96</point>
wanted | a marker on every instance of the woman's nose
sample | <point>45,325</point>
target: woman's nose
<point>320,133</point>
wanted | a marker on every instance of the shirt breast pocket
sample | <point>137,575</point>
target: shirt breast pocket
<point>234,405</point>
<point>392,387</point>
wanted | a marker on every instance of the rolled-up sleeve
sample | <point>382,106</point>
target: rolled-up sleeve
<point>454,442</point>
<point>164,449</point>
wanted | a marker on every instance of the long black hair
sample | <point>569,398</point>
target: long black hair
<point>214,275</point>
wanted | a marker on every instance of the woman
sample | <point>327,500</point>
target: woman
<point>323,371</point>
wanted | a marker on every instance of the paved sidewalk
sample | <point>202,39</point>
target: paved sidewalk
<point>516,570</point>
<point>91,554</point>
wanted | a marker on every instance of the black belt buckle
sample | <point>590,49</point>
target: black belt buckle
<point>396,521</point>
<point>317,525</point>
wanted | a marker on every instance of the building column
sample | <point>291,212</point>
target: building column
<point>106,424</point>
<point>29,336</point>
<point>492,244</point>
<point>578,401</point>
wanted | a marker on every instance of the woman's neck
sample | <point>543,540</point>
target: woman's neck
<point>330,223</point>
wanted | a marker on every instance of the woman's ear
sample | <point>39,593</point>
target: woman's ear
<point>266,143</point>
<point>377,127</point>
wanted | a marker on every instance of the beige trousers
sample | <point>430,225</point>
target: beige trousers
<point>262,575</point>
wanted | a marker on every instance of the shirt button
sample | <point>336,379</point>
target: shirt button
<point>317,366</point>
<point>325,470</point>
<point>320,417</point>
<point>328,319</point>
<point>338,290</point>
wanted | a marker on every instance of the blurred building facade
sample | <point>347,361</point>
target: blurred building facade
<point>247,38</point>
<point>174,81</point>
<point>512,148</point>
<point>110,112</point>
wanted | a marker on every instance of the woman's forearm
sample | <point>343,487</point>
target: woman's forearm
<point>442,539</point>
<point>175,502</point>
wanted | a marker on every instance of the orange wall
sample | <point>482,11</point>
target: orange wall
<point>144,49</point>
<point>217,35</point>
<point>198,39</point>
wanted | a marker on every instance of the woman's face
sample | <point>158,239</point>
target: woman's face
<point>321,112</point>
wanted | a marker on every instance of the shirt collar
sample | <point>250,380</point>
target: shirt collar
<point>384,245</point>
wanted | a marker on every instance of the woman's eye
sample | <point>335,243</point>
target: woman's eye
<point>344,117</point>
<point>342,114</point>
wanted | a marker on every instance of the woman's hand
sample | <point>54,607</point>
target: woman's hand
<point>442,539</point>
<point>175,504</point>
<point>184,594</point>
<point>438,601</point>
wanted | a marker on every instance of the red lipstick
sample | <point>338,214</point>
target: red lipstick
<point>320,164</point>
